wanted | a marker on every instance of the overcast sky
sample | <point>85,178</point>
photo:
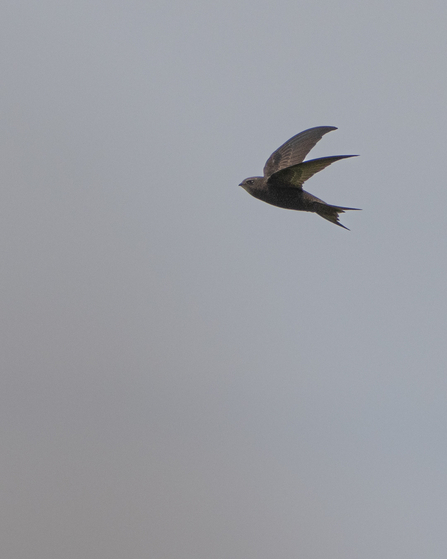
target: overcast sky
<point>187,372</point>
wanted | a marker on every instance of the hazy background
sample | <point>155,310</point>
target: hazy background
<point>189,373</point>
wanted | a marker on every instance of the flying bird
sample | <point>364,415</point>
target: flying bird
<point>285,173</point>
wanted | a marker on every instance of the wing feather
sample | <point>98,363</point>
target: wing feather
<point>295,150</point>
<point>296,175</point>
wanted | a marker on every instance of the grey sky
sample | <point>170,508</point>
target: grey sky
<point>188,373</point>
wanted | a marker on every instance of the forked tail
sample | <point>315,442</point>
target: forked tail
<point>332,213</point>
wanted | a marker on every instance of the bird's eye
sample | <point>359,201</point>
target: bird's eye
<point>250,181</point>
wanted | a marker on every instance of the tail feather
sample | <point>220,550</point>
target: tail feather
<point>331,213</point>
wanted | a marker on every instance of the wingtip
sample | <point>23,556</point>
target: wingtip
<point>328,128</point>
<point>325,128</point>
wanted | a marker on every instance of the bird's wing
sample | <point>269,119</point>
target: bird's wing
<point>297,175</point>
<point>295,150</point>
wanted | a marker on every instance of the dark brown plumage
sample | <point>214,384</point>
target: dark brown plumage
<point>285,173</point>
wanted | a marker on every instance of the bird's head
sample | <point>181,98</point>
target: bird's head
<point>251,183</point>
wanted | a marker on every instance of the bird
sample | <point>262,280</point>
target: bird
<point>286,171</point>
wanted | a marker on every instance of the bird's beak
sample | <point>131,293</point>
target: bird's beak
<point>241,184</point>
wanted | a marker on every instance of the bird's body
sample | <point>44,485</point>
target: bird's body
<point>285,173</point>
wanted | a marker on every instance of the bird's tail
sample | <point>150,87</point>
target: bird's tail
<point>331,213</point>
